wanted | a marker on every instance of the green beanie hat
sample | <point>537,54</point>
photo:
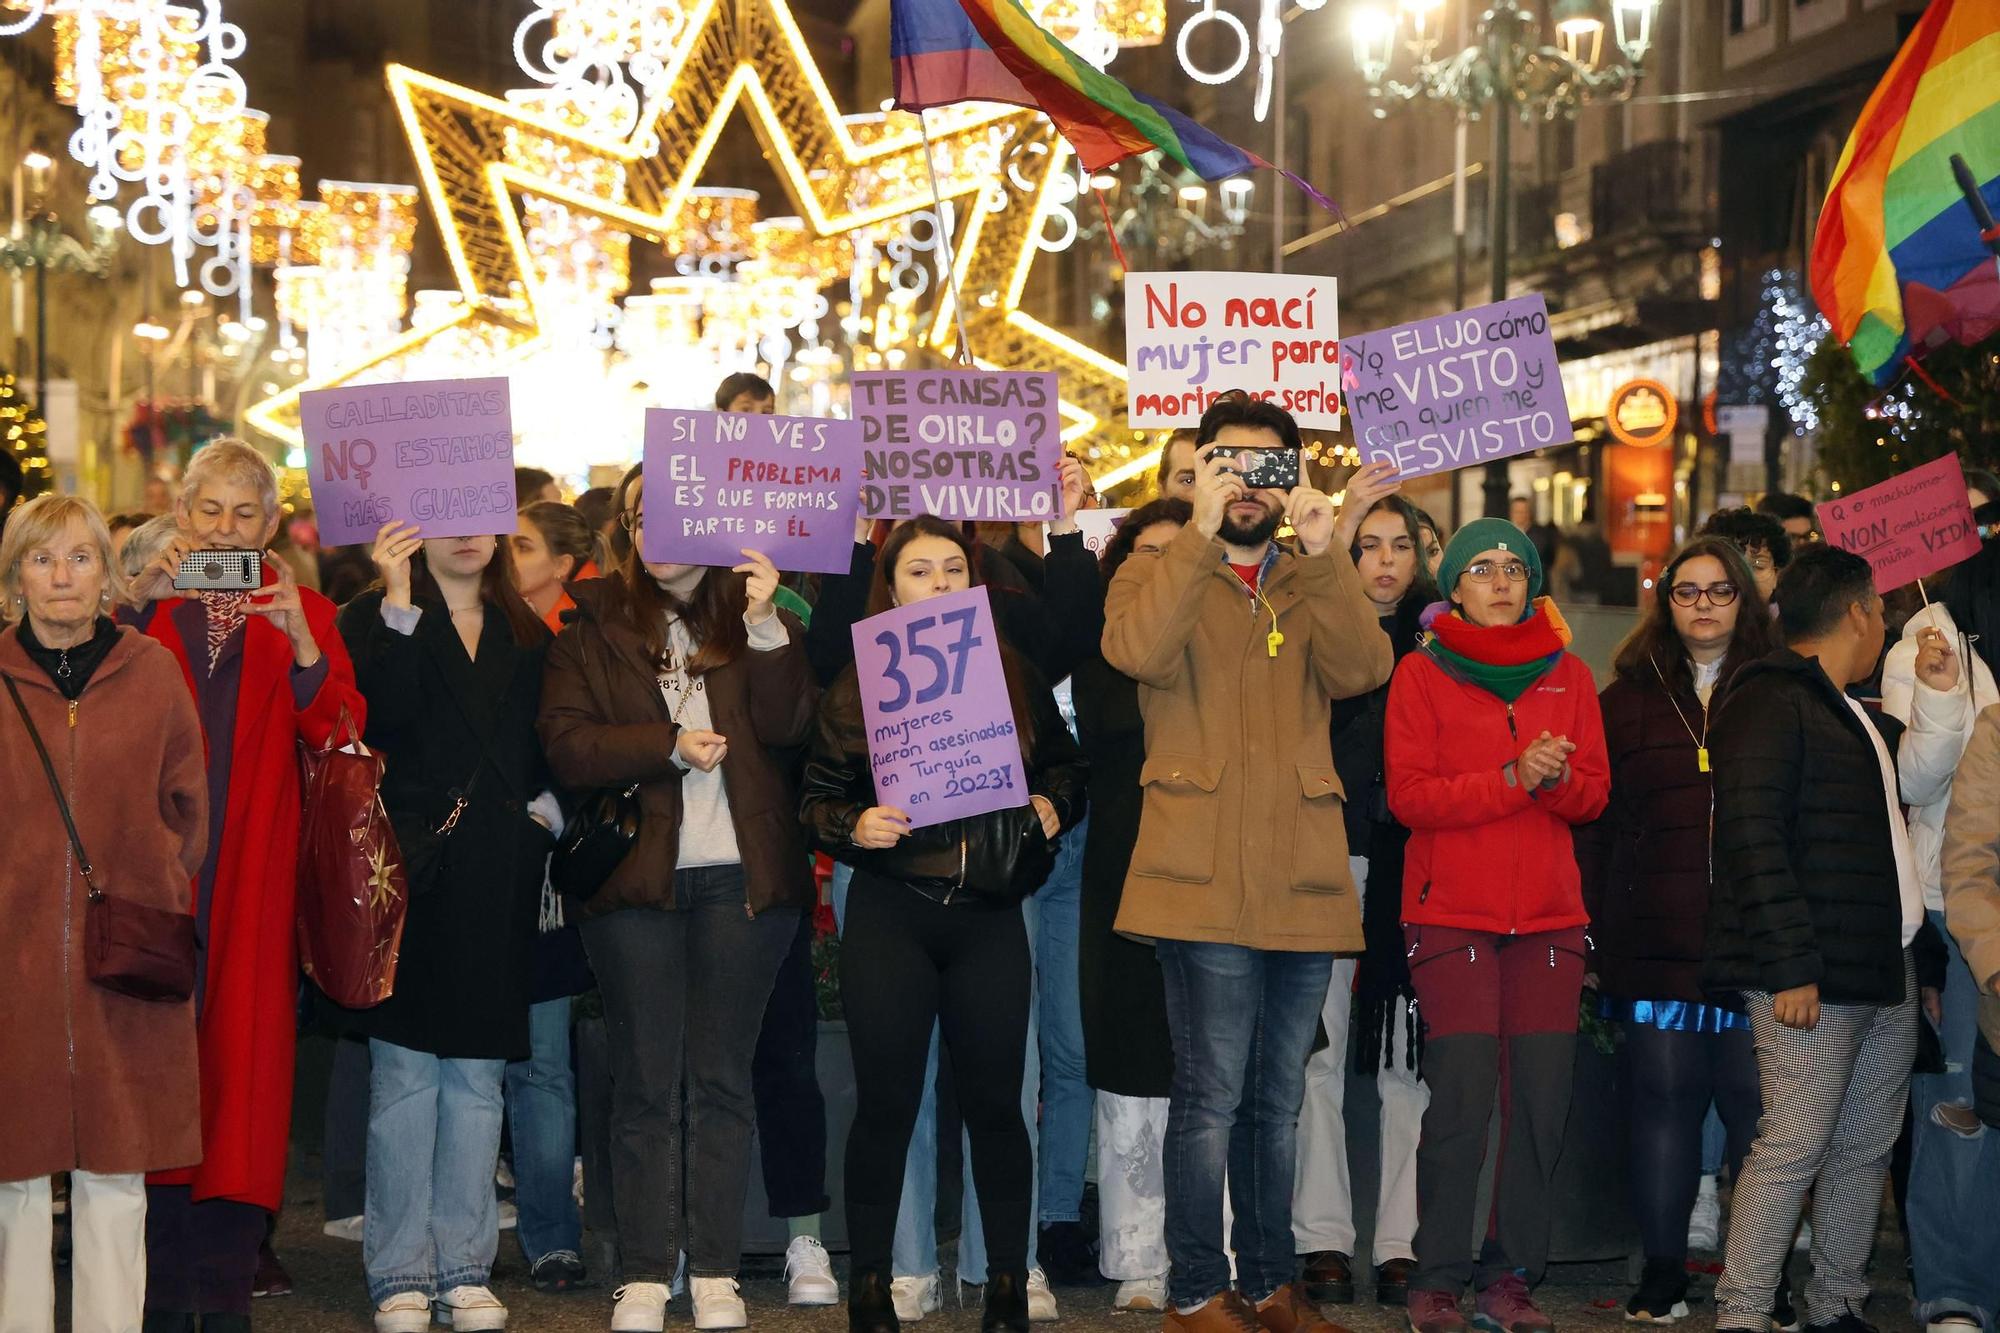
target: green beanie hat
<point>1488,534</point>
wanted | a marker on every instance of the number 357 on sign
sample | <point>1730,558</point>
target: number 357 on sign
<point>942,741</point>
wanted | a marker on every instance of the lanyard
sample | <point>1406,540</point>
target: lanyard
<point>1701,741</point>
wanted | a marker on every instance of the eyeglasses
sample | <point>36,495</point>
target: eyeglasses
<point>632,520</point>
<point>1718,594</point>
<point>1483,571</point>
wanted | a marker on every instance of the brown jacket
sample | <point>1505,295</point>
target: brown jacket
<point>1969,867</point>
<point>605,723</point>
<point>1241,838</point>
<point>91,1080</point>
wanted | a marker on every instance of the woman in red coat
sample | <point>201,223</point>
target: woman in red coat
<point>265,669</point>
<point>1493,749</point>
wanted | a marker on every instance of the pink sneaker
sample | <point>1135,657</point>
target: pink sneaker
<point>1434,1312</point>
<point>1504,1307</point>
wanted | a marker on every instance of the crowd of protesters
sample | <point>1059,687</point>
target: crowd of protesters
<point>1311,787</point>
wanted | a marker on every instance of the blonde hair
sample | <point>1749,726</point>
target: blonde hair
<point>41,521</point>
<point>230,459</point>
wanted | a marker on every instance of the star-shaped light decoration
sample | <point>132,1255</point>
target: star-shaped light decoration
<point>381,882</point>
<point>748,53</point>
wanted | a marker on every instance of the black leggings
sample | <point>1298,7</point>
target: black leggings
<point>1669,1079</point>
<point>907,963</point>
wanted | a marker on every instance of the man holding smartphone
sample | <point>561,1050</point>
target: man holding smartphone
<point>1240,874</point>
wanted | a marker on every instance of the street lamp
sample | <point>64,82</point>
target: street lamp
<point>1510,70</point>
<point>37,241</point>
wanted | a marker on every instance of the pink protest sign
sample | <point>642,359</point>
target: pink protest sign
<point>718,483</point>
<point>941,738</point>
<point>438,454</point>
<point>1908,526</point>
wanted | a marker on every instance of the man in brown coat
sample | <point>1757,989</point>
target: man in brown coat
<point>1240,873</point>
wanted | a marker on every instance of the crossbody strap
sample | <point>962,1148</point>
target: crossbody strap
<point>55,784</point>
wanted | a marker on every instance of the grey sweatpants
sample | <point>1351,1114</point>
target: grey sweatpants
<point>1833,1104</point>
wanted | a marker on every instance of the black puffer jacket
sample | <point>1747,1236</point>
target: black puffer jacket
<point>1001,855</point>
<point>1805,866</point>
<point>1645,861</point>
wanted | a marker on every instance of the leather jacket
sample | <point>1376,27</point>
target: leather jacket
<point>1000,856</point>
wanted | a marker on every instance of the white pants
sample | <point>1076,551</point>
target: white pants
<point>1323,1195</point>
<point>108,1274</point>
<point>1131,1186</point>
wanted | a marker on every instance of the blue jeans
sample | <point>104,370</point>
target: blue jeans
<point>1242,1022</point>
<point>916,1251</point>
<point>1954,1242</point>
<point>433,1137</point>
<point>1068,1104</point>
<point>541,1098</point>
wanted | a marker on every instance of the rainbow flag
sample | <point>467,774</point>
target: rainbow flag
<point>1898,265</point>
<point>990,51</point>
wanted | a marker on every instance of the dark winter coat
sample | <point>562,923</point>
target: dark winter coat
<point>1126,1046</point>
<point>92,1080</point>
<point>448,722</point>
<point>1001,855</point>
<point>1645,861</point>
<point>605,723</point>
<point>1805,865</point>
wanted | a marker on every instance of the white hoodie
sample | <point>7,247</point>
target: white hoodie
<point>1939,723</point>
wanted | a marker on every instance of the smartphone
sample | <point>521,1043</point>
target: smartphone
<point>220,571</point>
<point>1270,469</point>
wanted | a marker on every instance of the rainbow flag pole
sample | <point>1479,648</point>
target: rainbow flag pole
<point>964,353</point>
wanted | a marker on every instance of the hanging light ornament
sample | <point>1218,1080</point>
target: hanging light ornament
<point>607,58</point>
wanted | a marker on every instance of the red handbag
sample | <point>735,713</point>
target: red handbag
<point>353,890</point>
<point>129,947</point>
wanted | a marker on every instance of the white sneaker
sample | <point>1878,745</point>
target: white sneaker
<point>717,1303</point>
<point>344,1228</point>
<point>576,1184</point>
<point>641,1308</point>
<point>1952,1323</point>
<point>1041,1300</point>
<point>503,1174</point>
<point>1147,1295</point>
<point>510,1216</point>
<point>915,1297</point>
<point>809,1273</point>
<point>470,1309</point>
<point>1705,1223</point>
<point>405,1312</point>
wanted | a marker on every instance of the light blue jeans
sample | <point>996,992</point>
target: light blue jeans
<point>1954,1179</point>
<point>1068,1104</point>
<point>916,1250</point>
<point>433,1137</point>
<point>541,1098</point>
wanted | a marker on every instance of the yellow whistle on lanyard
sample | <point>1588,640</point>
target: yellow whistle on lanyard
<point>1701,757</point>
<point>1271,642</point>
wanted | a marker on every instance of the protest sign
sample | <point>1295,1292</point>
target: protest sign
<point>438,454</point>
<point>720,482</point>
<point>1098,525</point>
<point>1191,336</point>
<point>941,738</point>
<point>1439,394</point>
<point>978,444</point>
<point>1911,525</point>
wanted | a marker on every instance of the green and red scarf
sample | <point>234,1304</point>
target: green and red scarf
<point>1504,660</point>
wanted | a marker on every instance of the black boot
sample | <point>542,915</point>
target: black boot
<point>167,1321</point>
<point>1006,1303</point>
<point>869,1306</point>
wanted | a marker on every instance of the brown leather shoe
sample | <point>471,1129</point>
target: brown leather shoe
<point>1392,1281</point>
<point>1226,1312</point>
<point>1328,1276</point>
<point>1290,1310</point>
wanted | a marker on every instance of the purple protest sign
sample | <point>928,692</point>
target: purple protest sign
<point>1439,394</point>
<point>720,482</point>
<point>435,453</point>
<point>978,444</point>
<point>941,738</point>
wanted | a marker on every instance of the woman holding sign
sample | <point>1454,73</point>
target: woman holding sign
<point>686,684</point>
<point>934,933</point>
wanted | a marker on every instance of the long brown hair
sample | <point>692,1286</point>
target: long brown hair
<point>496,589</point>
<point>882,597</point>
<point>713,616</point>
<point>1655,646</point>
